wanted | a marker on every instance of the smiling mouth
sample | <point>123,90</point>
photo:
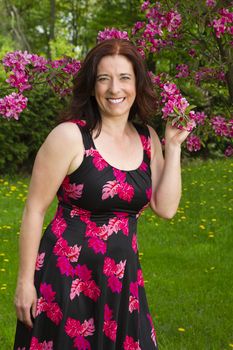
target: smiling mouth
<point>116,100</point>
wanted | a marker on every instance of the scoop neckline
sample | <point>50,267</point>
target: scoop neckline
<point>112,166</point>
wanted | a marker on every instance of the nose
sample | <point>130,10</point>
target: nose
<point>114,86</point>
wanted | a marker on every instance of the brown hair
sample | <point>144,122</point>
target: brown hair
<point>84,106</point>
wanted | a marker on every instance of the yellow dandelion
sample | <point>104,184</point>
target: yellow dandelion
<point>180,329</point>
<point>202,227</point>
<point>204,220</point>
<point>230,208</point>
<point>6,260</point>
<point>13,188</point>
<point>183,217</point>
<point>212,268</point>
<point>6,183</point>
<point>3,288</point>
<point>231,345</point>
<point>3,270</point>
<point>213,219</point>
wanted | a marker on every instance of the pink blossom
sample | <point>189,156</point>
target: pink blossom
<point>12,105</point>
<point>183,71</point>
<point>192,52</point>
<point>173,19</point>
<point>198,117</point>
<point>219,125</point>
<point>19,80</point>
<point>137,26</point>
<point>229,151</point>
<point>193,143</point>
<point>210,3</point>
<point>112,33</point>
<point>17,60</point>
<point>145,5</point>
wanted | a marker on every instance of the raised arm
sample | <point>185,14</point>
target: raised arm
<point>166,171</point>
<point>51,165</point>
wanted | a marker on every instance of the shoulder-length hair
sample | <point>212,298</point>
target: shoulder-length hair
<point>83,104</point>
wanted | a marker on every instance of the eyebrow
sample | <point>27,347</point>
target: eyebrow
<point>107,75</point>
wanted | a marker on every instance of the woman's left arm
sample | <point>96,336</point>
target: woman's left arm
<point>166,173</point>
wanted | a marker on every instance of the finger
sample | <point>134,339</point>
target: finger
<point>34,305</point>
<point>27,318</point>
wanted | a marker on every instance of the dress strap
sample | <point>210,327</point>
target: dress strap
<point>144,134</point>
<point>87,141</point>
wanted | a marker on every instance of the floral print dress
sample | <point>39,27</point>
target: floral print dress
<point>88,277</point>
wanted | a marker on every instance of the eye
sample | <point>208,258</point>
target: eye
<point>125,77</point>
<point>102,78</point>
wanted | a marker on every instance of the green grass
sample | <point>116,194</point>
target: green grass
<point>187,262</point>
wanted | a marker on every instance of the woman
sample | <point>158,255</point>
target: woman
<point>81,284</point>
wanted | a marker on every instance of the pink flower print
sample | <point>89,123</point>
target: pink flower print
<point>97,245</point>
<point>98,161</point>
<point>119,175</point>
<point>62,248</point>
<point>143,166</point>
<point>110,189</point>
<point>153,333</point>
<point>82,213</point>
<point>58,224</point>
<point>65,266</point>
<point>119,223</point>
<point>84,284</point>
<point>72,190</point>
<point>133,298</point>
<point>110,326</point>
<point>74,329</point>
<point>35,345</point>
<point>130,344</point>
<point>39,261</point>
<point>80,122</point>
<point>149,193</point>
<point>146,142</point>
<point>134,243</point>
<point>46,304</point>
<point>114,272</point>
<point>140,278</point>
<point>125,191</point>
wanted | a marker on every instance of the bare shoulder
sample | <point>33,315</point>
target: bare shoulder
<point>67,132</point>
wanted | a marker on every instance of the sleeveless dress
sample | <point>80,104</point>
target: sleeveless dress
<point>88,277</point>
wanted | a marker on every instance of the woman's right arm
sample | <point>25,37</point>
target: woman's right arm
<point>51,165</point>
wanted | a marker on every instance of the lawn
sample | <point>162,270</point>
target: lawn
<point>187,261</point>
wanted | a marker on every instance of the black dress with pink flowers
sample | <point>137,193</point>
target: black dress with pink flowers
<point>88,277</point>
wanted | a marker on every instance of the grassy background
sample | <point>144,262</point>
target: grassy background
<point>187,261</point>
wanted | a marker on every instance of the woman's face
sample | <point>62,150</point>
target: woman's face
<point>115,86</point>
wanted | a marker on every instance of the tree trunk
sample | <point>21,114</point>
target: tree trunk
<point>229,79</point>
<point>52,20</point>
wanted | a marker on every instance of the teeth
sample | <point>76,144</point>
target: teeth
<point>116,100</point>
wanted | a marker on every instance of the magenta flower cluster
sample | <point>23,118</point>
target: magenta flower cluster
<point>193,143</point>
<point>223,24</point>
<point>12,105</point>
<point>222,127</point>
<point>159,29</point>
<point>112,33</point>
<point>27,70</point>
<point>183,71</point>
